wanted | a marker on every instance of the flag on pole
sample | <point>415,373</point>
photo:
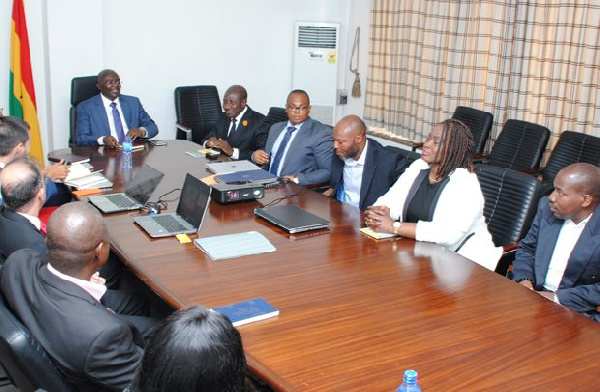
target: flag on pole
<point>21,100</point>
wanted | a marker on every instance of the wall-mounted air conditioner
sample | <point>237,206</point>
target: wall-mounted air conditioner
<point>315,66</point>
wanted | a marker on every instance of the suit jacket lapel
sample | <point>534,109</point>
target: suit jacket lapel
<point>240,128</point>
<point>545,248</point>
<point>582,255</point>
<point>296,143</point>
<point>101,116</point>
<point>368,173</point>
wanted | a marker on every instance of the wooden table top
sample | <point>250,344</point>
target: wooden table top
<point>356,312</point>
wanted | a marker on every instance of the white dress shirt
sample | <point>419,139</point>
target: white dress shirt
<point>238,119</point>
<point>111,121</point>
<point>96,290</point>
<point>353,172</point>
<point>566,241</point>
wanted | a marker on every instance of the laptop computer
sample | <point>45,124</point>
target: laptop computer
<point>292,218</point>
<point>257,176</point>
<point>231,166</point>
<point>134,197</point>
<point>193,203</point>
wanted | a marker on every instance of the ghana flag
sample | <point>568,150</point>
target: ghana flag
<point>22,94</point>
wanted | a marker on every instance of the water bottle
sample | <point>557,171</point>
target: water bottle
<point>127,159</point>
<point>410,382</point>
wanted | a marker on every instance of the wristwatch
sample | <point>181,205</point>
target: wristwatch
<point>396,227</point>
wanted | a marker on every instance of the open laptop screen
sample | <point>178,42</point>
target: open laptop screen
<point>193,202</point>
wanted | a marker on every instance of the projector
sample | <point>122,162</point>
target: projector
<point>231,193</point>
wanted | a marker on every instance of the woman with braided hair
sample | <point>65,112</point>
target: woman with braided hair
<point>438,198</point>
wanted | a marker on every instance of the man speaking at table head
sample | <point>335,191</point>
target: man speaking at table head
<point>57,298</point>
<point>108,117</point>
<point>560,256</point>
<point>362,169</point>
<point>240,130</point>
<point>299,149</point>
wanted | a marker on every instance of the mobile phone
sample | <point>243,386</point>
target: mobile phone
<point>158,142</point>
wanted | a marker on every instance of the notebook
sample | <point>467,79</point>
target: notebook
<point>230,166</point>
<point>257,176</point>
<point>293,219</point>
<point>248,311</point>
<point>134,197</point>
<point>193,203</point>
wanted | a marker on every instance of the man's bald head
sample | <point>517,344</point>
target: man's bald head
<point>75,230</point>
<point>22,181</point>
<point>349,137</point>
<point>584,176</point>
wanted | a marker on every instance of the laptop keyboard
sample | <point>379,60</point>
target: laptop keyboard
<point>121,201</point>
<point>169,223</point>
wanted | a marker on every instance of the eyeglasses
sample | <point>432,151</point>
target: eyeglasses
<point>296,109</point>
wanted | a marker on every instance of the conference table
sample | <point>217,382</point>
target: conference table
<point>355,312</point>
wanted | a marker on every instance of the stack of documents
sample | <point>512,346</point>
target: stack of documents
<point>234,245</point>
<point>81,177</point>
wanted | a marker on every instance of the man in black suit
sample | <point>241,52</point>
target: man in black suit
<point>83,327</point>
<point>559,258</point>
<point>23,192</point>
<point>240,130</point>
<point>363,169</point>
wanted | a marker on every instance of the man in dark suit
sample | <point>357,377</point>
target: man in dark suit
<point>303,152</point>
<point>240,130</point>
<point>362,169</point>
<point>560,256</point>
<point>15,142</point>
<point>108,117</point>
<point>24,195</point>
<point>81,325</point>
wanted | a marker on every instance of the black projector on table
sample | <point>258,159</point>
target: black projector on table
<point>231,193</point>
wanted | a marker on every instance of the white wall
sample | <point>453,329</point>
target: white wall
<point>157,46</point>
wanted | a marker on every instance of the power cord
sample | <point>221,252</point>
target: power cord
<point>154,208</point>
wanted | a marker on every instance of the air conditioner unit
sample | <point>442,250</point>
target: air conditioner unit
<point>316,65</point>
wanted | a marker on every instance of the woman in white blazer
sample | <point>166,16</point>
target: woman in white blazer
<point>438,198</point>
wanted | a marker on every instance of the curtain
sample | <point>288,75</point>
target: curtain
<point>536,61</point>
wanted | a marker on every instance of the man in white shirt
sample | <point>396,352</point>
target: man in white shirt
<point>362,169</point>
<point>560,256</point>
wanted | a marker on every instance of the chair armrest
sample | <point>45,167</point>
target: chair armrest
<point>480,157</point>
<point>535,172</point>
<point>184,128</point>
<point>510,247</point>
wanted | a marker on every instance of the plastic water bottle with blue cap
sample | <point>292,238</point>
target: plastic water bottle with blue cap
<point>127,161</point>
<point>410,382</point>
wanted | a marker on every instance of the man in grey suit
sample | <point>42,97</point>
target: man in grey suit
<point>303,152</point>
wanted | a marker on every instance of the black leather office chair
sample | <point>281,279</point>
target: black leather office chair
<point>511,199</point>
<point>520,146</point>
<point>572,147</point>
<point>24,360</point>
<point>409,156</point>
<point>82,88</point>
<point>275,115</point>
<point>478,121</point>
<point>198,109</point>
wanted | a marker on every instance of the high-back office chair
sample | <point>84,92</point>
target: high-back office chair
<point>275,115</point>
<point>478,121</point>
<point>24,360</point>
<point>198,109</point>
<point>409,156</point>
<point>572,147</point>
<point>82,88</point>
<point>520,146</point>
<point>511,199</point>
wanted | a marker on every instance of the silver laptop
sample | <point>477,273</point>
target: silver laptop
<point>134,197</point>
<point>231,166</point>
<point>193,203</point>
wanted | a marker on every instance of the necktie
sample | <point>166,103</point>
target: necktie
<point>118,123</point>
<point>232,129</point>
<point>277,160</point>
